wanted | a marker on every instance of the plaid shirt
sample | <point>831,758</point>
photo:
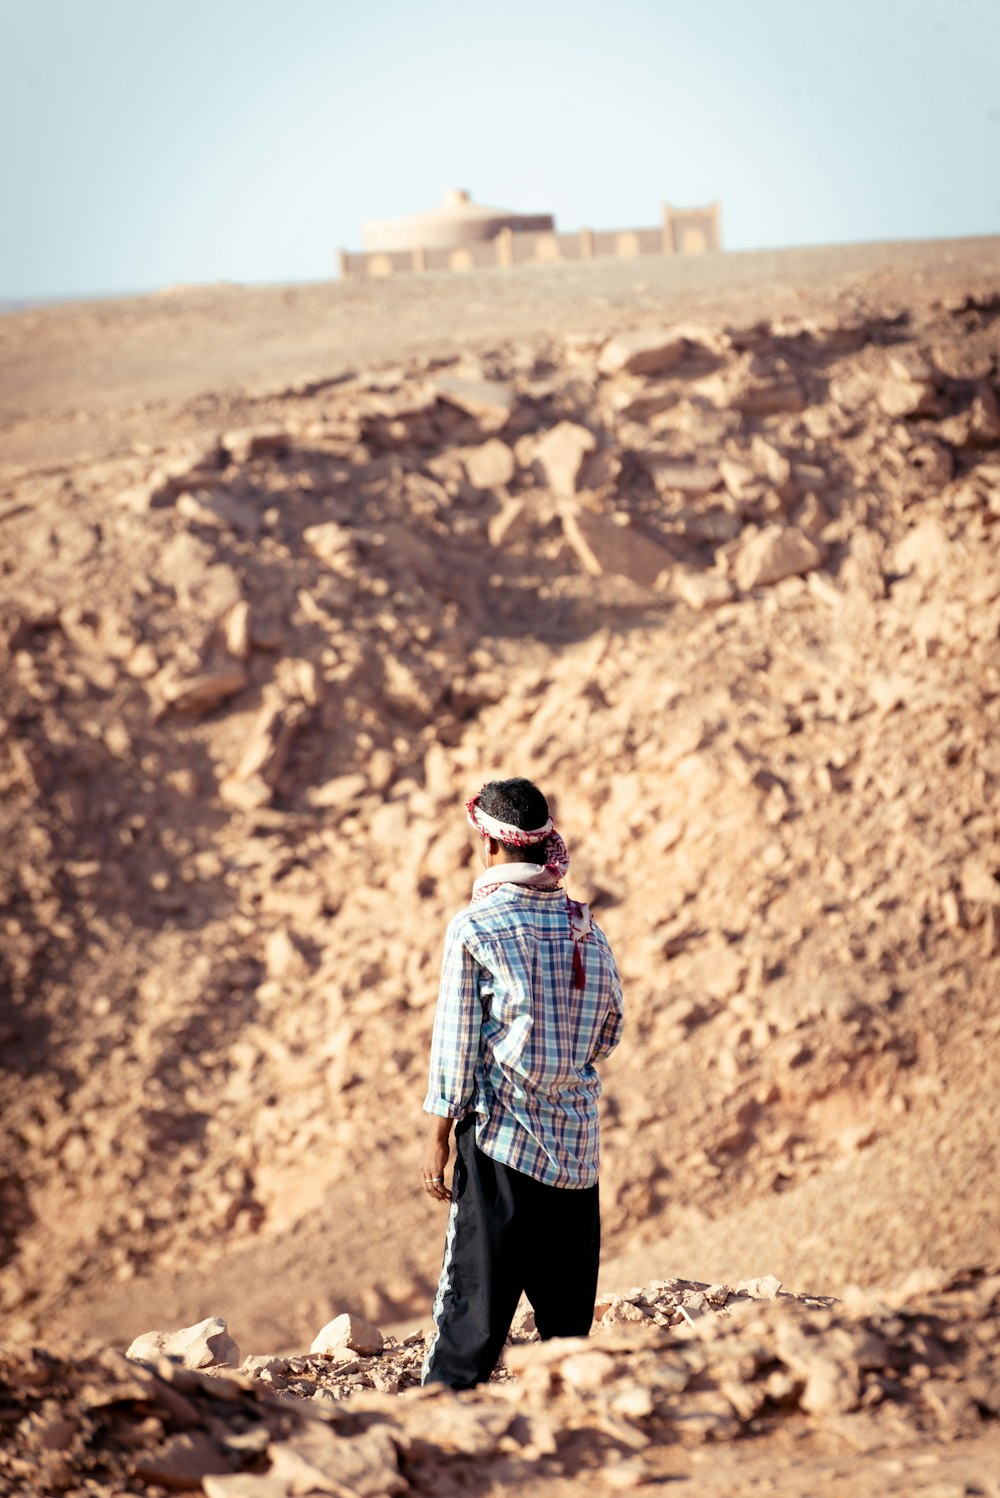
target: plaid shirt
<point>516,1042</point>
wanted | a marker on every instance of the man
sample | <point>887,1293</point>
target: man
<point>530,998</point>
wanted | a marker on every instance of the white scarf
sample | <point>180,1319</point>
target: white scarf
<point>532,875</point>
<point>535,876</point>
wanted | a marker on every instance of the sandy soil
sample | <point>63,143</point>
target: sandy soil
<point>91,377</point>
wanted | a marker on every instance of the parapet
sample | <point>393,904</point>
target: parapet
<point>463,235</point>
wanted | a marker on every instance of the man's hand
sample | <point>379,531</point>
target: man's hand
<point>436,1159</point>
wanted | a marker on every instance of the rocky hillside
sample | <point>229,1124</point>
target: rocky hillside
<point>730,593</point>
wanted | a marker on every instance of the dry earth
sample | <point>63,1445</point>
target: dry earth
<point>708,549</point>
<point>725,1392</point>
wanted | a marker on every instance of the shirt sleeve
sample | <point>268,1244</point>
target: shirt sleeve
<point>457,1024</point>
<point>611,1030</point>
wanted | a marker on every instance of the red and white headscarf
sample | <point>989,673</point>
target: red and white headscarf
<point>556,864</point>
<point>532,875</point>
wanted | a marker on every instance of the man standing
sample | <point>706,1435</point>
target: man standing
<point>530,998</point>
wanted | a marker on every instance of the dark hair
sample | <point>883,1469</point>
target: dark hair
<point>521,804</point>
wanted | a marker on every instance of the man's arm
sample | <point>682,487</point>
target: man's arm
<point>611,1030</point>
<point>436,1158</point>
<point>454,1052</point>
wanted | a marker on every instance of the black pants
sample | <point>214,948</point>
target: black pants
<point>508,1232</point>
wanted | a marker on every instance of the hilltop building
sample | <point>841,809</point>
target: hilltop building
<point>462,234</point>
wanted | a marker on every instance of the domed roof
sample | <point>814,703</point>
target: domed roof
<point>458,221</point>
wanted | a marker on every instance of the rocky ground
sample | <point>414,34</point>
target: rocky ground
<point>727,587</point>
<point>905,1385</point>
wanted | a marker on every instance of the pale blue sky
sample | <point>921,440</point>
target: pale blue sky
<point>153,141</point>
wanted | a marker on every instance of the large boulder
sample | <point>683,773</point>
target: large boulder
<point>320,1460</point>
<point>602,545</point>
<point>348,1331</point>
<point>491,402</point>
<point>490,466</point>
<point>776,552</point>
<point>700,590</point>
<point>678,474</point>
<point>924,550</point>
<point>245,443</point>
<point>643,352</point>
<point>559,455</point>
<point>207,1344</point>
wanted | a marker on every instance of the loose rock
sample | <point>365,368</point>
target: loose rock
<point>774,553</point>
<point>207,1344</point>
<point>348,1331</point>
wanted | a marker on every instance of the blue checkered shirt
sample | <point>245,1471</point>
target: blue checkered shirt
<point>515,1042</point>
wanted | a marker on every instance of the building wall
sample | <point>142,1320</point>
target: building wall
<point>443,232</point>
<point>684,231</point>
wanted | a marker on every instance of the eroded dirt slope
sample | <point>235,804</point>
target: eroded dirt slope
<point>729,590</point>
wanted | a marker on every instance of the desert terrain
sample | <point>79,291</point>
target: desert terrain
<point>708,548</point>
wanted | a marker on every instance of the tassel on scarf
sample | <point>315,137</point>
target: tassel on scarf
<point>579,971</point>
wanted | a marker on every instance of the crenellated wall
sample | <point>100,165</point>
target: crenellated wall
<point>684,231</point>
